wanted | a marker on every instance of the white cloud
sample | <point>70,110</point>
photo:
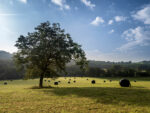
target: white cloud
<point>119,18</point>
<point>140,36</point>
<point>110,22</point>
<point>111,31</point>
<point>143,15</point>
<point>115,56</point>
<point>88,3</point>
<point>61,3</point>
<point>67,7</point>
<point>23,1</point>
<point>97,21</point>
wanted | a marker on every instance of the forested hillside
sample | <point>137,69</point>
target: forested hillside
<point>7,67</point>
<point>112,69</point>
<point>5,55</point>
<point>95,69</point>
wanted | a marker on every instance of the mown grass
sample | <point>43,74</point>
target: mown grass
<point>23,96</point>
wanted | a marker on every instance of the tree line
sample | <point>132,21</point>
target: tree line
<point>8,70</point>
<point>114,69</point>
<point>95,69</point>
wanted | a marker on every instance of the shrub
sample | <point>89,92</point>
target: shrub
<point>93,82</point>
<point>55,83</point>
<point>124,83</point>
<point>5,83</point>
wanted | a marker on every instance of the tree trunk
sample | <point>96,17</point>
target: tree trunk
<point>41,81</point>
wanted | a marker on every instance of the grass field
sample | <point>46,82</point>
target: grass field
<point>20,96</point>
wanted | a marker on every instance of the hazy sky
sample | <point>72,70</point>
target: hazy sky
<point>111,30</point>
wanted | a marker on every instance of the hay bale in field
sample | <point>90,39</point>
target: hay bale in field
<point>104,81</point>
<point>5,83</point>
<point>55,83</point>
<point>74,81</point>
<point>68,82</point>
<point>124,83</point>
<point>93,81</point>
<point>87,79</point>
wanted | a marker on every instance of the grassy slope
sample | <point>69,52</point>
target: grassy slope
<point>80,97</point>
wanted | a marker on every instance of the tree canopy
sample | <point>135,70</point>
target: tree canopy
<point>46,51</point>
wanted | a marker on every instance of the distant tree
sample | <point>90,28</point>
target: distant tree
<point>95,72</point>
<point>45,52</point>
<point>115,70</point>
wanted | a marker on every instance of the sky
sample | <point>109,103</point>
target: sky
<point>108,30</point>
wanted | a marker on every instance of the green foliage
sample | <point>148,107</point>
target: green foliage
<point>96,69</point>
<point>8,70</point>
<point>46,51</point>
<point>112,69</point>
<point>95,72</point>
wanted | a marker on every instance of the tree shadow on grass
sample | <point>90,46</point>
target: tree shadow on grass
<point>114,96</point>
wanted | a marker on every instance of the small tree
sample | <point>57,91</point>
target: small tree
<point>45,52</point>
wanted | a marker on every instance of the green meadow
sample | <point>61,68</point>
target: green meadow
<point>24,96</point>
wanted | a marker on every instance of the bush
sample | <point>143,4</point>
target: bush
<point>93,82</point>
<point>5,83</point>
<point>124,83</point>
<point>55,83</point>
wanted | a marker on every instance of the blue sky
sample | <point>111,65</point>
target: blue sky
<point>110,30</point>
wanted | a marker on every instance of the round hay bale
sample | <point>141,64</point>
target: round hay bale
<point>104,81</point>
<point>5,83</point>
<point>124,83</point>
<point>74,81</point>
<point>93,82</point>
<point>68,82</point>
<point>55,83</point>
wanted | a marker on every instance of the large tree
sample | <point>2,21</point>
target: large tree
<point>46,51</point>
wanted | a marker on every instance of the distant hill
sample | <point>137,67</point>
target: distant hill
<point>100,68</point>
<point>7,67</point>
<point>5,55</point>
